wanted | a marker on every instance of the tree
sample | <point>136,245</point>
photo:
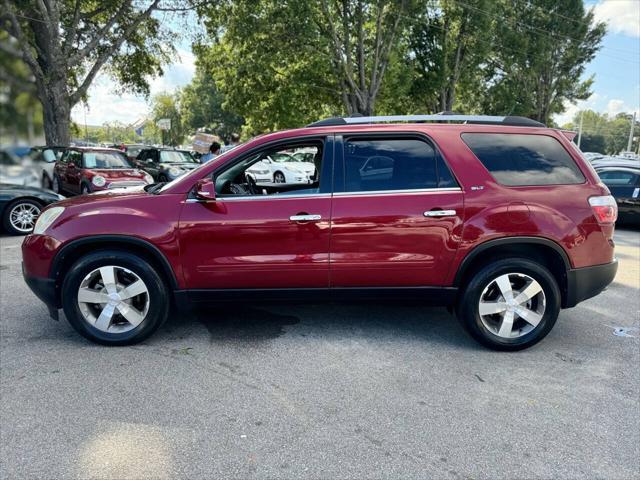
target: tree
<point>65,43</point>
<point>362,35</point>
<point>603,134</point>
<point>540,53</point>
<point>449,45</point>
<point>284,64</point>
<point>201,106</point>
<point>166,106</point>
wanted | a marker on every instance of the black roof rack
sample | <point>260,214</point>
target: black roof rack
<point>440,117</point>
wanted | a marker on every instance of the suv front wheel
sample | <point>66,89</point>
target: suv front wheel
<point>114,298</point>
<point>510,304</point>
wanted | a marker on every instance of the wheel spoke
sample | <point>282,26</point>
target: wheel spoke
<point>136,288</point>
<point>133,316</point>
<point>489,308</point>
<point>104,320</point>
<point>504,284</point>
<point>507,325</point>
<point>529,292</point>
<point>108,275</point>
<point>529,316</point>
<point>86,295</point>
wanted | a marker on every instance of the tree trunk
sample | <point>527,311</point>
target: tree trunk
<point>56,106</point>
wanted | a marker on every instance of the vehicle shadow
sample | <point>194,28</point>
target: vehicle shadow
<point>255,324</point>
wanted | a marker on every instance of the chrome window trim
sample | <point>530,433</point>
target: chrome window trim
<point>259,197</point>
<point>396,192</point>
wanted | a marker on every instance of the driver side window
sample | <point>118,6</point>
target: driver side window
<point>290,169</point>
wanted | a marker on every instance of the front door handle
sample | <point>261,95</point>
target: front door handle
<point>440,213</point>
<point>305,218</point>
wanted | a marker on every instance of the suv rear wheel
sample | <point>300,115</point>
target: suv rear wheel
<point>510,304</point>
<point>114,298</point>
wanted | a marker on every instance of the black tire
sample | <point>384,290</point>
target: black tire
<point>47,183</point>
<point>468,303</point>
<point>279,175</point>
<point>158,297</point>
<point>163,178</point>
<point>56,186</point>
<point>6,216</point>
<point>85,189</point>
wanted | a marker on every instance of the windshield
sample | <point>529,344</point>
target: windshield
<point>171,156</point>
<point>134,150</point>
<point>6,159</point>
<point>105,160</point>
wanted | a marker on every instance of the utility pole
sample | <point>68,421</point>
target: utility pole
<point>633,123</point>
<point>580,128</point>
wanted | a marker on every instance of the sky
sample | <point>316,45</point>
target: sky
<point>616,71</point>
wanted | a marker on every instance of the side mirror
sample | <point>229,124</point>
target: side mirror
<point>205,190</point>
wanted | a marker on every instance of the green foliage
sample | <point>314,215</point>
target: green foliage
<point>540,53</point>
<point>283,64</point>
<point>604,134</point>
<point>201,106</point>
<point>270,63</point>
<point>166,106</point>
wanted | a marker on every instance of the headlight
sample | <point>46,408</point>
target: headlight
<point>46,219</point>
<point>98,181</point>
<point>175,172</point>
<point>148,178</point>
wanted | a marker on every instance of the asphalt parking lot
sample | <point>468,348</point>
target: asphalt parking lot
<point>321,391</point>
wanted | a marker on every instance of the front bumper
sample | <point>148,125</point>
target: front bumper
<point>587,282</point>
<point>45,290</point>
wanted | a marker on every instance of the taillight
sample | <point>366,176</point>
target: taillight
<point>604,208</point>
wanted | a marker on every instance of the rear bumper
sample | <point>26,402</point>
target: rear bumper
<point>587,282</point>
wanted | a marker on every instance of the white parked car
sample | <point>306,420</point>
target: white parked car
<point>281,167</point>
<point>44,159</point>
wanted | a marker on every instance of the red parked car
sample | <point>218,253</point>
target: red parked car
<point>498,217</point>
<point>83,170</point>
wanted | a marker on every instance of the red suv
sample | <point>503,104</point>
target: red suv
<point>83,170</point>
<point>498,217</point>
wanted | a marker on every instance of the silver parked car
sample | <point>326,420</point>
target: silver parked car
<point>17,172</point>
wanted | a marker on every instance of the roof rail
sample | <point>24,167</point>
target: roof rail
<point>440,117</point>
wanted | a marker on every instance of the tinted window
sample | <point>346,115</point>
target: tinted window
<point>171,156</point>
<point>618,178</point>
<point>515,159</point>
<point>393,164</point>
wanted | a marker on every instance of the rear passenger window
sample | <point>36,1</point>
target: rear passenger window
<point>517,160</point>
<point>393,164</point>
<point>617,178</point>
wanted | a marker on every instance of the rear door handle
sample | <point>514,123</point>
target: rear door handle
<point>440,213</point>
<point>305,218</point>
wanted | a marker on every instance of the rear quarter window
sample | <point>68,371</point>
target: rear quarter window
<point>519,160</point>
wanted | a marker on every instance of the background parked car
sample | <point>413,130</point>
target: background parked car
<point>132,150</point>
<point>85,170</point>
<point>624,185</point>
<point>283,167</point>
<point>20,206</point>
<point>44,159</point>
<point>165,164</point>
<point>17,172</point>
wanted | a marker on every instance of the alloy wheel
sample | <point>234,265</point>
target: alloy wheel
<point>113,299</point>
<point>23,217</point>
<point>279,178</point>
<point>512,305</point>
